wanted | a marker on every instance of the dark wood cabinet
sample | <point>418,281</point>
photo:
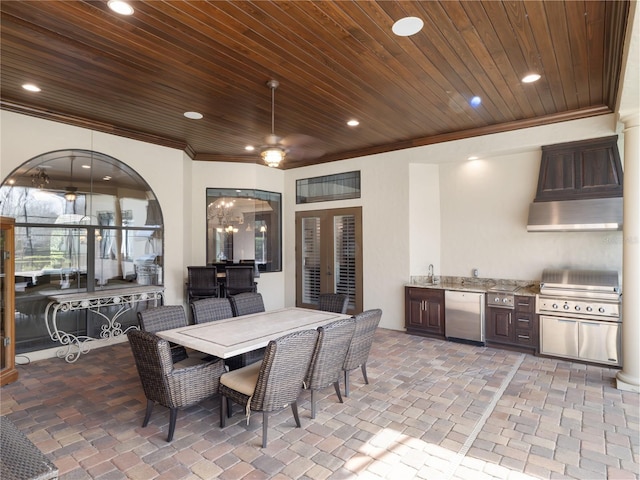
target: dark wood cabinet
<point>424,311</point>
<point>513,328</point>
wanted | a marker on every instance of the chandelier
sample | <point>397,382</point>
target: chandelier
<point>223,211</point>
<point>40,179</point>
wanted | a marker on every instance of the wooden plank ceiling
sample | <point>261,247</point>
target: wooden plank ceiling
<point>135,76</point>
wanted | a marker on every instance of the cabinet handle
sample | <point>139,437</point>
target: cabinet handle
<point>525,337</point>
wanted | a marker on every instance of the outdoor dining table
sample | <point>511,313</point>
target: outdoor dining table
<point>233,336</point>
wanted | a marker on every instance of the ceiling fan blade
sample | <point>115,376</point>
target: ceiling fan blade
<point>303,147</point>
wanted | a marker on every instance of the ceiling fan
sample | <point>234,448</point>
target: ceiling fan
<point>295,146</point>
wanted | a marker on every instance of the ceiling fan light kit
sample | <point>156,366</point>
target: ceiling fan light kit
<point>272,153</point>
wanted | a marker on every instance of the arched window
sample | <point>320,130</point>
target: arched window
<point>84,222</point>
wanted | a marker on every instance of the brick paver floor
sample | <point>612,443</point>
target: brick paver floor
<point>433,410</point>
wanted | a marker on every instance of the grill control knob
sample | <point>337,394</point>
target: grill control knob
<point>589,309</point>
<point>497,299</point>
<point>566,307</point>
<point>577,308</point>
<point>555,305</point>
<point>504,300</point>
<point>601,309</point>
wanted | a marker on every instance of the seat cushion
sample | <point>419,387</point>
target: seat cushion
<point>242,380</point>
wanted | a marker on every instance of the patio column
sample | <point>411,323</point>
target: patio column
<point>629,377</point>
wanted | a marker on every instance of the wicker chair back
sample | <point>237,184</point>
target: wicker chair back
<point>333,302</point>
<point>329,353</point>
<point>165,317</point>
<point>366,324</point>
<point>358,353</point>
<point>239,279</point>
<point>246,304</point>
<point>211,309</point>
<point>202,282</point>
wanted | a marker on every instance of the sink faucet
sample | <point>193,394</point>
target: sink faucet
<point>430,272</point>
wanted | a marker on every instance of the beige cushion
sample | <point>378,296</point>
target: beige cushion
<point>242,380</point>
<point>187,362</point>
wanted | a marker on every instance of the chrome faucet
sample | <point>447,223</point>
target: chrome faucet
<point>430,273</point>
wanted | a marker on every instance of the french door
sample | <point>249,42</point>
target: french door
<point>329,256</point>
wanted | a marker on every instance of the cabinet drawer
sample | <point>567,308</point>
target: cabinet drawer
<point>524,321</point>
<point>525,304</point>
<point>524,337</point>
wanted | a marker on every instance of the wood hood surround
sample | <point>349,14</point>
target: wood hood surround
<point>579,187</point>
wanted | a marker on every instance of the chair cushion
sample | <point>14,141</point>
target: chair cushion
<point>189,362</point>
<point>242,380</point>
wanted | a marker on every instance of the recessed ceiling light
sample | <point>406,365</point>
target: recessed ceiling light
<point>249,148</point>
<point>472,157</point>
<point>86,166</point>
<point>11,181</point>
<point>530,78</point>
<point>407,26</point>
<point>31,87</point>
<point>193,115</point>
<point>475,101</point>
<point>118,6</point>
<point>353,123</point>
<point>106,178</point>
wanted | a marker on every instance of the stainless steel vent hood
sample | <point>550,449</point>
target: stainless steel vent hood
<point>586,215</point>
<point>579,188</point>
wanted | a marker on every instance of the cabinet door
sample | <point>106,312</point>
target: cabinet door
<point>424,311</point>
<point>415,318</point>
<point>599,341</point>
<point>433,313</point>
<point>499,325</point>
<point>8,372</point>
<point>558,336</point>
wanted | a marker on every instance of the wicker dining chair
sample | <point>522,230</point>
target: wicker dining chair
<point>328,358</point>
<point>274,383</point>
<point>202,282</point>
<point>239,279</point>
<point>167,385</point>
<point>165,317</point>
<point>358,353</point>
<point>246,304</point>
<point>211,309</point>
<point>333,302</point>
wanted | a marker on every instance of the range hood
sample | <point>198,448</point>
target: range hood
<point>586,215</point>
<point>579,188</point>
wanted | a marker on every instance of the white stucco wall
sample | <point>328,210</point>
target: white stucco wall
<point>163,168</point>
<point>241,176</point>
<point>420,206</point>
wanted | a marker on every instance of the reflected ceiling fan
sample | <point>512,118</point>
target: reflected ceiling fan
<point>296,146</point>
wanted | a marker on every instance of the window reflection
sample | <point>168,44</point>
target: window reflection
<point>244,225</point>
<point>107,235</point>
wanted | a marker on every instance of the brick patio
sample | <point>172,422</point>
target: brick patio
<point>433,410</point>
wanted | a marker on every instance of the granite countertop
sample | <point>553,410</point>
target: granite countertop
<point>469,284</point>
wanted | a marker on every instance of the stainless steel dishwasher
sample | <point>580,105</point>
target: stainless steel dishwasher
<point>464,316</point>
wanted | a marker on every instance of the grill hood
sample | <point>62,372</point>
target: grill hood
<point>579,188</point>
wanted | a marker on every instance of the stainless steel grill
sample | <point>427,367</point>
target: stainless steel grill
<point>580,315</point>
<point>580,293</point>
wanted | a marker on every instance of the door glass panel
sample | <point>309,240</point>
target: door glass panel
<point>4,295</point>
<point>344,247</point>
<point>311,259</point>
